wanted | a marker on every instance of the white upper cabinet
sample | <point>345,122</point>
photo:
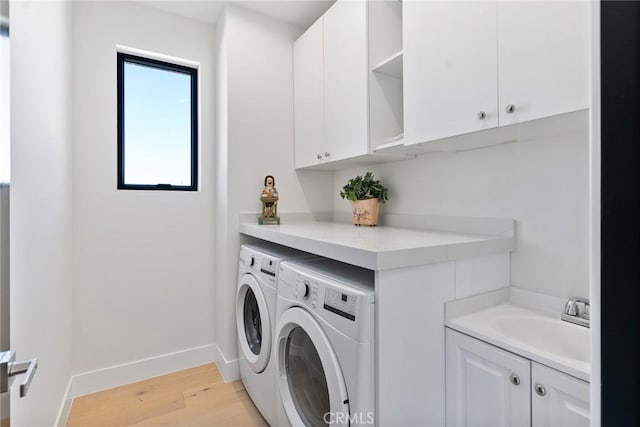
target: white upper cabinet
<point>485,386</point>
<point>458,68</point>
<point>558,400</point>
<point>308,97</point>
<point>543,58</point>
<point>470,66</point>
<point>450,68</point>
<point>345,80</point>
<point>331,87</point>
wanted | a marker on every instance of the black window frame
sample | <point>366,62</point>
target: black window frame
<point>123,58</point>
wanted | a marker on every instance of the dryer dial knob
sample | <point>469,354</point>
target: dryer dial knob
<point>307,290</point>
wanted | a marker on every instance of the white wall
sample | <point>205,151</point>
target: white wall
<point>5,85</point>
<point>41,270</point>
<point>255,138</point>
<point>542,183</point>
<point>144,260</point>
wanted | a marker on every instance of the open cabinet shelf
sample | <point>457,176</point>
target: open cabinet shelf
<point>389,145</point>
<point>391,66</point>
<point>386,82</point>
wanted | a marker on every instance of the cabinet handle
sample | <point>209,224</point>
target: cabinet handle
<point>319,157</point>
<point>327,154</point>
<point>515,380</point>
<point>482,115</point>
<point>510,108</point>
<point>540,390</point>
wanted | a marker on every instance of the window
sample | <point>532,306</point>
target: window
<point>157,125</point>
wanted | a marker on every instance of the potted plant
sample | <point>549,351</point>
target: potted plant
<point>365,194</point>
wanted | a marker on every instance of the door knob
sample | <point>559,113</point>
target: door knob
<point>482,115</point>
<point>29,369</point>
<point>515,380</point>
<point>540,390</point>
<point>10,368</point>
<point>326,154</point>
<point>510,108</point>
<point>319,157</point>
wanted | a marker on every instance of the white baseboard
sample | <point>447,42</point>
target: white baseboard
<point>65,408</point>
<point>127,373</point>
<point>229,369</point>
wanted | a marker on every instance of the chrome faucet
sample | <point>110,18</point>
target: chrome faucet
<point>577,310</point>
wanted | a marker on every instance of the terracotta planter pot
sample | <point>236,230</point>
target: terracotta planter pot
<point>365,212</point>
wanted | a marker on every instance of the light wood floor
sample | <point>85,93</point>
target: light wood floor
<point>195,397</point>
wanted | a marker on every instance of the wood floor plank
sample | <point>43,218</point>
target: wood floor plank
<point>190,398</point>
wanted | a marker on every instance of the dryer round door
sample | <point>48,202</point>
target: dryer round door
<point>310,380</point>
<point>252,320</point>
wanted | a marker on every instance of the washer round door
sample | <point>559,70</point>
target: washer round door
<point>252,320</point>
<point>310,380</point>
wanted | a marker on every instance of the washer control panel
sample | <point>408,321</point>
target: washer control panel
<point>307,290</point>
<point>340,303</point>
<point>268,266</point>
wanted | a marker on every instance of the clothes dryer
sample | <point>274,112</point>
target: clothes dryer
<point>325,344</point>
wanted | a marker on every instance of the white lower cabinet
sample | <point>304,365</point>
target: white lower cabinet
<point>558,399</point>
<point>485,386</point>
<point>488,386</point>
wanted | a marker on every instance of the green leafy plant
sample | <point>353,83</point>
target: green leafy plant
<point>364,187</point>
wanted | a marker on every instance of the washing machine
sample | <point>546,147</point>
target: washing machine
<point>325,344</point>
<point>258,268</point>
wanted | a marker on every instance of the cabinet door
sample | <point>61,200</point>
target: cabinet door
<point>345,80</point>
<point>308,97</point>
<point>543,58</point>
<point>563,401</point>
<point>450,68</point>
<point>481,389</point>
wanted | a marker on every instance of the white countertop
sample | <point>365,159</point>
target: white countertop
<point>378,248</point>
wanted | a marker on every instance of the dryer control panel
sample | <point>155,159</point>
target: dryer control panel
<point>341,303</point>
<point>341,299</point>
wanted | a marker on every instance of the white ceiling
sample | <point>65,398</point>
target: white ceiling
<point>298,12</point>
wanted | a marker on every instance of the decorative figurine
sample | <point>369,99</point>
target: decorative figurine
<point>269,198</point>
